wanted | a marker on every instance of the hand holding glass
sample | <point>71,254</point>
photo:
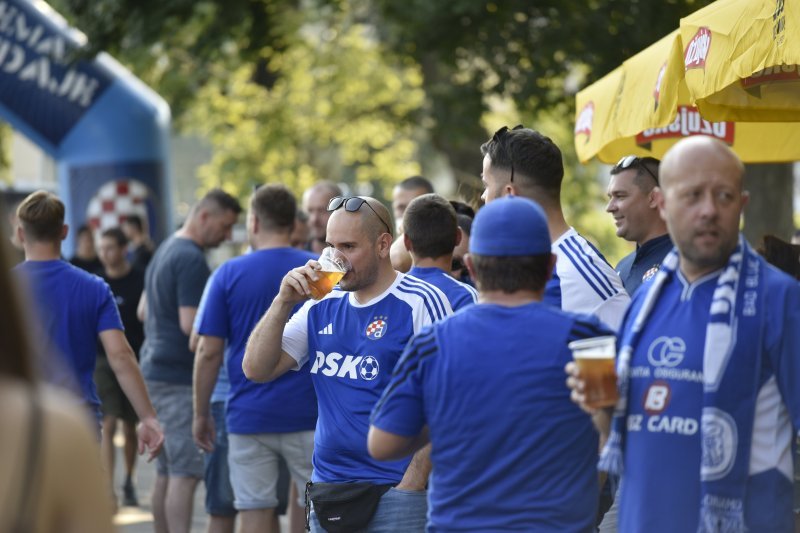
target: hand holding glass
<point>595,360</point>
<point>333,266</point>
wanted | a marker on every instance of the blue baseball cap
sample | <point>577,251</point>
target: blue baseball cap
<point>510,226</point>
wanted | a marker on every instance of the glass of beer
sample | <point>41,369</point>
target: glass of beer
<point>595,360</point>
<point>333,266</point>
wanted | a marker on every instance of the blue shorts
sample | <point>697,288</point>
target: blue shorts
<point>219,493</point>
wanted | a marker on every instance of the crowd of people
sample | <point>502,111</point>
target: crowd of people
<point>433,388</point>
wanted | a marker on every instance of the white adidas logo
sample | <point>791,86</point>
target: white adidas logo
<point>327,330</point>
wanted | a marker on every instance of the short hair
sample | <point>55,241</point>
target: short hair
<point>135,221</point>
<point>463,208</point>
<point>117,234</point>
<point>510,274</point>
<point>430,224</point>
<point>218,200</point>
<point>41,215</point>
<point>328,186</point>
<point>465,223</point>
<point>536,159</point>
<point>275,207</point>
<point>416,182</point>
<point>84,228</point>
<point>646,172</point>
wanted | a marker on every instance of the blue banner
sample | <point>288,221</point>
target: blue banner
<point>38,80</point>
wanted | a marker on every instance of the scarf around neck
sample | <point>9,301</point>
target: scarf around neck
<point>731,364</point>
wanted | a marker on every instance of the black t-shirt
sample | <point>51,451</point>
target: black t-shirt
<point>140,257</point>
<point>127,290</point>
<point>92,266</point>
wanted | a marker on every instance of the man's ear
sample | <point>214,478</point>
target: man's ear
<point>510,189</point>
<point>64,231</point>
<point>20,233</point>
<point>253,224</point>
<point>470,266</point>
<point>384,245</point>
<point>459,236</point>
<point>407,243</point>
<point>658,196</point>
<point>654,197</point>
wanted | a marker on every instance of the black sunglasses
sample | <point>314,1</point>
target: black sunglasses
<point>499,137</point>
<point>632,161</point>
<point>351,205</point>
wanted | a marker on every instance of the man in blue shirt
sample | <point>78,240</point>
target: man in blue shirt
<point>632,201</point>
<point>352,338</point>
<point>264,421</point>
<point>708,367</point>
<point>75,308</point>
<point>430,233</point>
<point>509,449</point>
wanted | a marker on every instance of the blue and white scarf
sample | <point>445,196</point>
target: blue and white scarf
<point>731,364</point>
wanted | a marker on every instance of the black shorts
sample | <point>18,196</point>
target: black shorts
<point>113,401</point>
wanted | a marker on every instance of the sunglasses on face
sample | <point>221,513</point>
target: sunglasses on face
<point>352,205</point>
<point>632,161</point>
<point>499,137</point>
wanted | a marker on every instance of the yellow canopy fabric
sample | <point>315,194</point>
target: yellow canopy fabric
<point>742,60</point>
<point>643,107</point>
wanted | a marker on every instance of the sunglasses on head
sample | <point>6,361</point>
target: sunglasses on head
<point>632,161</point>
<point>351,205</point>
<point>499,137</point>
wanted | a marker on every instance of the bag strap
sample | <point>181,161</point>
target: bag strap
<point>25,516</point>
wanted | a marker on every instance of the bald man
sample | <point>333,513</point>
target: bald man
<point>708,367</point>
<point>352,338</point>
<point>315,204</point>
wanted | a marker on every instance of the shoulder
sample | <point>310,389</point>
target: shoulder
<point>421,294</point>
<point>625,262</point>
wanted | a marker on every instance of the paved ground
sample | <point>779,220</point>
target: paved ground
<point>140,519</point>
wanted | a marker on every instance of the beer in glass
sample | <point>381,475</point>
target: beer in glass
<point>595,360</point>
<point>333,266</point>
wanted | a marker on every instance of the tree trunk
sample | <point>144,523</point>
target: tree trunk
<point>770,210</point>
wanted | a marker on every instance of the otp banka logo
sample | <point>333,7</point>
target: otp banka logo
<point>666,351</point>
<point>351,367</point>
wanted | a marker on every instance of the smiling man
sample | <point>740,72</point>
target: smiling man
<point>633,202</point>
<point>352,338</point>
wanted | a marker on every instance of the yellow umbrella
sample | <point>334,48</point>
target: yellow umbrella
<point>741,60</point>
<point>643,108</point>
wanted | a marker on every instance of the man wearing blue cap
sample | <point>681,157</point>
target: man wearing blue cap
<point>509,451</point>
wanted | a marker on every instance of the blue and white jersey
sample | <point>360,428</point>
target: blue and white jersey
<point>584,282</point>
<point>663,442</point>
<point>353,348</point>
<point>510,451</point>
<point>460,294</point>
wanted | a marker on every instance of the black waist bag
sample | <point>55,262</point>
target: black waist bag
<point>343,507</point>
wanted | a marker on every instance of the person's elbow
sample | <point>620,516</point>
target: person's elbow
<point>385,446</point>
<point>253,371</point>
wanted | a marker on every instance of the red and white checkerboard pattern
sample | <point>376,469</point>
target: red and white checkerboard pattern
<point>115,201</point>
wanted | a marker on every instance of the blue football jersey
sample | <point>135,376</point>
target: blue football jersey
<point>663,448</point>
<point>352,348</point>
<point>459,293</point>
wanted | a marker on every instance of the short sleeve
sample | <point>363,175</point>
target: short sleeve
<point>295,335</point>
<point>212,315</point>
<point>191,281</point>
<point>107,311</point>
<point>401,407</point>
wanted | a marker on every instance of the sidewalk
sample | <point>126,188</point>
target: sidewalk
<point>140,519</point>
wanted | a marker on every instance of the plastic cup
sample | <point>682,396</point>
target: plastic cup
<point>595,360</point>
<point>333,266</point>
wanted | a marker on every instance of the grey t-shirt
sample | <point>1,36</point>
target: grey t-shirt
<point>175,278</point>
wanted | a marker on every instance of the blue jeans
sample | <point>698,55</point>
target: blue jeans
<point>399,511</point>
<point>219,493</point>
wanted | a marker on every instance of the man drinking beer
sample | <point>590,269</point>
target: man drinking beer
<point>352,338</point>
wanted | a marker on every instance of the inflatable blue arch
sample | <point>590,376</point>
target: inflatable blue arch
<point>98,121</point>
